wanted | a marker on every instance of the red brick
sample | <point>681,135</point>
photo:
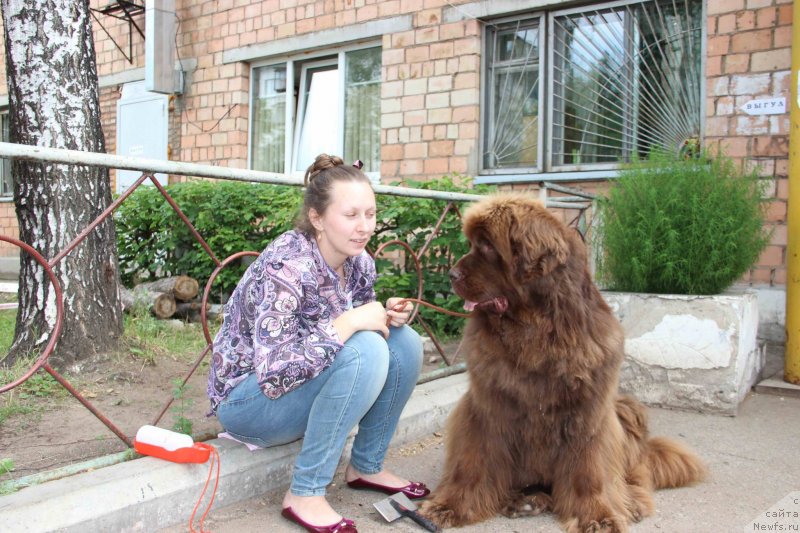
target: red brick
<point>725,24</point>
<point>391,152</point>
<point>735,146</point>
<point>737,63</point>
<point>441,148</point>
<point>770,146</point>
<point>782,171</point>
<point>751,40</point>
<point>426,36</point>
<point>442,50</point>
<point>783,37</point>
<point>415,150</point>
<point>785,15</point>
<point>417,54</point>
<point>761,275</point>
<point>411,166</point>
<point>745,20</point>
<point>780,235</point>
<point>717,126</point>
<point>771,256</point>
<point>388,8</point>
<point>766,17</point>
<point>714,66</point>
<point>451,31</point>
<point>428,17</point>
<point>776,211</point>
<point>716,7</point>
<point>437,166</point>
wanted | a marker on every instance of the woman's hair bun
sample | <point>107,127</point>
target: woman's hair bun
<point>322,162</point>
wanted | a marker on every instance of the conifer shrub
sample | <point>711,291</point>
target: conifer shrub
<point>681,224</point>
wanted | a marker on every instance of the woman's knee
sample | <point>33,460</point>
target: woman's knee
<point>369,351</point>
<point>406,344</point>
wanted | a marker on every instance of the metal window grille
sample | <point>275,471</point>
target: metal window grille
<point>622,79</point>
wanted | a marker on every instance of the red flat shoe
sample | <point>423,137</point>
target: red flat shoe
<point>414,490</point>
<point>343,526</point>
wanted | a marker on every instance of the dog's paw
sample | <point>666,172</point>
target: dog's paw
<point>438,513</point>
<point>528,505</point>
<point>604,525</point>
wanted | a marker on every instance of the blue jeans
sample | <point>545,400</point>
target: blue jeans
<point>368,384</point>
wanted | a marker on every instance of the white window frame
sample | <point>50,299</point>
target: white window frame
<point>304,61</point>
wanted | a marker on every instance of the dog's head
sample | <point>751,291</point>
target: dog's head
<point>514,242</point>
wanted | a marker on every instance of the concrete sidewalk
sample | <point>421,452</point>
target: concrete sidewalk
<point>753,459</point>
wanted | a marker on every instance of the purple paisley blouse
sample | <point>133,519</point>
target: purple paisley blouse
<point>278,322</point>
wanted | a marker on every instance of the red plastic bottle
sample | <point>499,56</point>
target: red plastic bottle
<point>169,445</point>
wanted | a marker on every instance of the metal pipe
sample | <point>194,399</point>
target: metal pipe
<point>76,157</point>
<point>791,365</point>
<point>14,485</point>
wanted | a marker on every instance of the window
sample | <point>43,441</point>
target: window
<point>329,103</point>
<point>7,185</point>
<point>622,78</point>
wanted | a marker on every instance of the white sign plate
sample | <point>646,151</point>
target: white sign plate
<point>766,106</point>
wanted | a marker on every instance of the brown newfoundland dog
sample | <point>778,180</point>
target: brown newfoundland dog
<point>542,426</point>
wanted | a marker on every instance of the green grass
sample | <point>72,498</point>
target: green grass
<point>8,320</point>
<point>22,399</point>
<point>145,338</point>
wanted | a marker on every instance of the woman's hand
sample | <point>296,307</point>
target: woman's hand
<point>368,317</point>
<point>398,317</point>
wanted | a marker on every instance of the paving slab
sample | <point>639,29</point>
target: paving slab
<point>752,459</point>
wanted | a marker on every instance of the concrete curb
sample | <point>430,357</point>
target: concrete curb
<point>148,494</point>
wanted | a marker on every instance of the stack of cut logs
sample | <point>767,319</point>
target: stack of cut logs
<point>174,297</point>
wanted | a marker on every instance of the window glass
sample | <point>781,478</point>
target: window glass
<point>512,132</point>
<point>362,121</point>
<point>319,132</point>
<point>625,80</point>
<point>337,99</point>
<point>269,119</point>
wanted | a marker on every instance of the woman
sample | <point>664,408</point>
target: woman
<point>305,350</point>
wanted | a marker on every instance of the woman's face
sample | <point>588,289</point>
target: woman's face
<point>347,224</point>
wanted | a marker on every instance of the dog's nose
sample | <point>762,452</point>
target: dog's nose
<point>455,274</point>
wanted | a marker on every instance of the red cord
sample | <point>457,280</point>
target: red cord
<point>399,306</point>
<point>214,461</point>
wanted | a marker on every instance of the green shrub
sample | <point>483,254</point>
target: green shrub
<point>681,225</point>
<point>153,242</point>
<point>231,216</point>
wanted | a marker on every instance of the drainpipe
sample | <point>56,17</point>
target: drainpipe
<point>791,369</point>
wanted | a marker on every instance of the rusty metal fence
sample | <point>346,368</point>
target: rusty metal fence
<point>568,199</point>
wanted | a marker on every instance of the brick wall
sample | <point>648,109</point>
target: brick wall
<point>749,57</point>
<point>430,97</point>
<point>8,228</point>
<point>431,86</point>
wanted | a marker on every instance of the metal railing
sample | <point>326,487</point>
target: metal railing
<point>575,200</point>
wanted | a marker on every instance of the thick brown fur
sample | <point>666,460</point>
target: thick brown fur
<point>543,410</point>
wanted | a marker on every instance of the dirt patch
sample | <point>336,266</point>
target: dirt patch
<point>130,391</point>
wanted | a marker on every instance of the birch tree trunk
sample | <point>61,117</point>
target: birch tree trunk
<point>54,102</point>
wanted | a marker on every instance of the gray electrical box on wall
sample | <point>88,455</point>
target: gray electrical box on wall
<point>160,75</point>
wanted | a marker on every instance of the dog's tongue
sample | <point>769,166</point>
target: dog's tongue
<point>498,305</point>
